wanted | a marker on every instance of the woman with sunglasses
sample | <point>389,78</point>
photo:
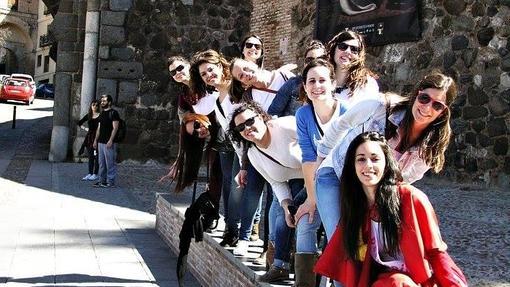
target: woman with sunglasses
<point>178,68</point>
<point>417,129</point>
<point>354,81</point>
<point>273,151</point>
<point>253,50</point>
<point>388,234</point>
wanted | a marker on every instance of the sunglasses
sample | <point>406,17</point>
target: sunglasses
<point>250,45</point>
<point>178,69</point>
<point>424,99</point>
<point>344,47</point>
<point>196,127</point>
<point>248,123</point>
<point>309,59</point>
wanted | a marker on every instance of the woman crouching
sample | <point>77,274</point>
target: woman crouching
<point>388,234</point>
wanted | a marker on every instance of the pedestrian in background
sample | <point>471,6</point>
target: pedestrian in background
<point>92,119</point>
<point>104,143</point>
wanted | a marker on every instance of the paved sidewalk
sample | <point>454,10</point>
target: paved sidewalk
<point>59,231</point>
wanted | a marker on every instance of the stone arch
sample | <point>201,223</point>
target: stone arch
<point>8,61</point>
<point>17,40</point>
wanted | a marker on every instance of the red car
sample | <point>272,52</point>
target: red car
<point>17,90</point>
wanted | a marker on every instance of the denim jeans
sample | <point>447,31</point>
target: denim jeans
<point>107,162</point>
<point>93,162</point>
<point>226,161</point>
<point>327,193</point>
<point>279,229</point>
<point>251,199</point>
<point>234,201</point>
<point>306,234</point>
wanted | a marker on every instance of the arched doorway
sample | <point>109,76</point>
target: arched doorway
<point>8,61</point>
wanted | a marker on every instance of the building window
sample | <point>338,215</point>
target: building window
<point>39,60</point>
<point>46,63</point>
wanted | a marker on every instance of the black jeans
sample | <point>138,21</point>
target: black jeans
<point>93,162</point>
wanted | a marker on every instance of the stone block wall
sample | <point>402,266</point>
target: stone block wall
<point>468,40</point>
<point>136,38</point>
<point>210,263</point>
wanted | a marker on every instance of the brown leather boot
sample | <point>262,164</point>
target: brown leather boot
<point>270,254</point>
<point>274,274</point>
<point>303,265</point>
<point>255,232</point>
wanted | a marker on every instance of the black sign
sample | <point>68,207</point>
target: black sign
<point>381,21</point>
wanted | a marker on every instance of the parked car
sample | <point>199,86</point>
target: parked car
<point>17,90</point>
<point>45,90</point>
<point>25,77</point>
<point>3,77</point>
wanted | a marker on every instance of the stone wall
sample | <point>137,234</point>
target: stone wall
<point>136,38</point>
<point>468,40</point>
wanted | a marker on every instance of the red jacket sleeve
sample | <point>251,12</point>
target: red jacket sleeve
<point>445,271</point>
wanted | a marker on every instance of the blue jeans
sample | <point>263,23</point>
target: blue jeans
<point>278,227</point>
<point>327,193</point>
<point>107,162</point>
<point>251,200</point>
<point>306,234</point>
<point>234,201</point>
<point>226,161</point>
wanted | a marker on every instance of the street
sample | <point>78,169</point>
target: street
<point>56,230</point>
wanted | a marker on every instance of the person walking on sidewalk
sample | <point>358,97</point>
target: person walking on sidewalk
<point>92,119</point>
<point>104,143</point>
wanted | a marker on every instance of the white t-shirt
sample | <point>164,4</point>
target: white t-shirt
<point>205,105</point>
<point>266,98</point>
<point>285,149</point>
<point>369,90</point>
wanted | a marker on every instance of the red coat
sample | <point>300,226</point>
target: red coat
<point>421,245</point>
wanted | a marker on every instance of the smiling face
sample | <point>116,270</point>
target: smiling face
<point>211,74</point>
<point>424,114</point>
<point>254,132</point>
<point>250,51</point>
<point>318,84</point>
<point>197,129</point>
<point>183,74</point>
<point>343,58</point>
<point>245,72</point>
<point>369,164</point>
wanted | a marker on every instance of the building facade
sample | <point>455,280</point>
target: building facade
<point>44,69</point>
<point>18,36</point>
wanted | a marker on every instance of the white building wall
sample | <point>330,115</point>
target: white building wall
<point>42,53</point>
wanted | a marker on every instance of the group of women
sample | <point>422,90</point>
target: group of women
<point>359,149</point>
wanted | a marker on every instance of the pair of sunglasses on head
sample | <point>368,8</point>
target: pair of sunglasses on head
<point>177,69</point>
<point>251,45</point>
<point>309,59</point>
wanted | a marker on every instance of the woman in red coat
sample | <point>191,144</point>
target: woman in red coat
<point>388,234</point>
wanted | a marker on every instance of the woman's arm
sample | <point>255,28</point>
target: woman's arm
<point>355,116</point>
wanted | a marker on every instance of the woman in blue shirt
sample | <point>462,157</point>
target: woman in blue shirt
<point>312,119</point>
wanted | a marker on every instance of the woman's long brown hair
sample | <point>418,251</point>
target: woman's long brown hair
<point>434,140</point>
<point>358,74</point>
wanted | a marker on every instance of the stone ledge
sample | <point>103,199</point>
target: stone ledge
<point>210,263</point>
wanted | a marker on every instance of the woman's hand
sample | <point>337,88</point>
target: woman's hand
<point>308,207</point>
<point>289,218</point>
<point>241,178</point>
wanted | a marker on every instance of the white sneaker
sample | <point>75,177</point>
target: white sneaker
<point>87,177</point>
<point>93,177</point>
<point>241,248</point>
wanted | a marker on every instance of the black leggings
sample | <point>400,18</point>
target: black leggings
<point>93,162</point>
